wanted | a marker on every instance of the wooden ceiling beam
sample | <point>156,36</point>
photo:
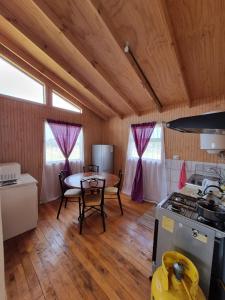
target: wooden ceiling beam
<point>59,60</point>
<point>169,32</point>
<point>110,28</point>
<point>12,52</point>
<point>65,30</point>
<point>174,44</point>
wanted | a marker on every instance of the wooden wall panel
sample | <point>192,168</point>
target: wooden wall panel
<point>22,132</point>
<point>187,146</point>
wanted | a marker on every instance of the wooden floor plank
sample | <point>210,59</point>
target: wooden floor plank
<point>55,262</point>
<point>86,283</point>
<point>94,264</point>
<point>22,284</point>
<point>119,238</point>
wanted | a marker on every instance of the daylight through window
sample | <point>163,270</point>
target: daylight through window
<point>16,83</point>
<point>153,150</point>
<point>61,102</point>
<point>54,154</point>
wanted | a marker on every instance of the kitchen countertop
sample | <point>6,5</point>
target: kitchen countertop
<point>190,190</point>
<point>23,180</point>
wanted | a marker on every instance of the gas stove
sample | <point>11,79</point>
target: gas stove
<point>178,227</point>
<point>187,206</point>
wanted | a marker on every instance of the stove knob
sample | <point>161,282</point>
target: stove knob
<point>194,233</point>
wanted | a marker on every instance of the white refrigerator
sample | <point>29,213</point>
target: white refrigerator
<point>102,156</point>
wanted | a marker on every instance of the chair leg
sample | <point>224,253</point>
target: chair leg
<point>79,207</point>
<point>65,205</point>
<point>120,204</point>
<point>103,217</point>
<point>60,206</point>
<point>81,219</point>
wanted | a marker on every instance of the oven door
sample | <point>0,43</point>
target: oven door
<point>194,240</point>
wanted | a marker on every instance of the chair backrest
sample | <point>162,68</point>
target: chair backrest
<point>92,189</point>
<point>62,175</point>
<point>91,168</point>
<point>120,175</point>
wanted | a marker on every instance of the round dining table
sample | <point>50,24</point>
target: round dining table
<point>74,180</point>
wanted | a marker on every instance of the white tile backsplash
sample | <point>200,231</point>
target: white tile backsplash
<point>175,164</point>
<point>175,175</point>
<point>168,163</point>
<point>193,164</point>
<point>168,174</point>
<point>222,166</point>
<point>173,168</point>
<point>189,166</point>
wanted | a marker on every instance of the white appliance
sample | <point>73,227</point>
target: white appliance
<point>19,205</point>
<point>102,156</point>
<point>213,143</point>
<point>178,227</point>
<point>9,173</point>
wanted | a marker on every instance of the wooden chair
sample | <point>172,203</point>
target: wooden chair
<point>67,194</point>
<point>114,191</point>
<point>91,168</point>
<point>92,198</point>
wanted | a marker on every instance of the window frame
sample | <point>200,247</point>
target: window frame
<point>67,100</point>
<point>131,139</point>
<point>48,162</point>
<point>13,64</point>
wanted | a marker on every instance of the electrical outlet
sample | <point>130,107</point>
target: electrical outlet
<point>176,156</point>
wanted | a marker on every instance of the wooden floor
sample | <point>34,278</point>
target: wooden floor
<point>55,262</point>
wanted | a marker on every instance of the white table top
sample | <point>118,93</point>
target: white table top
<point>74,180</point>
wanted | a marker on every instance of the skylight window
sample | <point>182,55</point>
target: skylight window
<point>16,83</point>
<point>61,102</point>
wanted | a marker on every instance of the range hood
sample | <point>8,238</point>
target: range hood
<point>211,123</point>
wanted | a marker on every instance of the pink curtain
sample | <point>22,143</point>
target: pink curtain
<point>66,135</point>
<point>142,134</point>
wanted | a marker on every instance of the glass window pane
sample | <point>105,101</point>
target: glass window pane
<point>60,102</point>
<point>15,83</point>
<point>77,153</point>
<point>53,152</point>
<point>153,150</point>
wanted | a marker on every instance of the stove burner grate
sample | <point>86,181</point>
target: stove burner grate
<point>218,225</point>
<point>187,206</point>
<point>178,199</point>
<point>175,207</point>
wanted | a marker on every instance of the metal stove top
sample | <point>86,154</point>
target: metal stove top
<point>187,206</point>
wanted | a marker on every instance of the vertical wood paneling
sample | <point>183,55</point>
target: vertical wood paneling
<point>22,132</point>
<point>187,146</point>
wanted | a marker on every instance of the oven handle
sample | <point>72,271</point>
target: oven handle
<point>155,240</point>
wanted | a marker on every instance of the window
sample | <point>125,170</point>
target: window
<point>61,102</point>
<point>16,83</point>
<point>54,154</point>
<point>153,150</point>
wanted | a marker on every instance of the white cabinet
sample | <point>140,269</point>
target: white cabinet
<point>19,204</point>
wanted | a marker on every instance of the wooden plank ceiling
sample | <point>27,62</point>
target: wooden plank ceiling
<point>78,45</point>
